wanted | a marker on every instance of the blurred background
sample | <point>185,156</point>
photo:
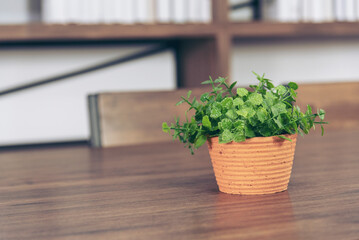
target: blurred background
<point>54,53</point>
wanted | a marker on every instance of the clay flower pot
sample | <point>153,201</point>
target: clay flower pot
<point>259,165</point>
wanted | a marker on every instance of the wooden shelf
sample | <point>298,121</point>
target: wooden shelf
<point>295,30</point>
<point>36,32</point>
<point>201,49</point>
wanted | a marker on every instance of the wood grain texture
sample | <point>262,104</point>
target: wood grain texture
<point>159,191</point>
<point>263,30</point>
<point>339,100</point>
<point>136,117</point>
<point>196,60</point>
<point>33,32</point>
<point>200,58</point>
<point>220,11</point>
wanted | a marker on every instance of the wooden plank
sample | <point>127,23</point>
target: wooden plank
<point>196,61</point>
<point>136,117</point>
<point>220,11</point>
<point>43,32</point>
<point>340,100</point>
<point>262,30</point>
<point>33,32</point>
<point>159,191</point>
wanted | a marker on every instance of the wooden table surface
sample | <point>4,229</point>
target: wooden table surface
<point>159,191</point>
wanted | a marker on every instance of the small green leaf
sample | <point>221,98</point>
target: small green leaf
<point>225,124</point>
<point>239,136</point>
<point>321,114</point>
<point>251,112</point>
<point>279,122</point>
<point>238,101</point>
<point>227,103</point>
<point>231,114</point>
<point>262,114</point>
<point>242,92</point>
<point>281,89</point>
<point>206,123</point>
<point>283,137</point>
<point>257,75</point>
<point>189,94</point>
<point>232,85</point>
<point>270,98</point>
<point>165,127</point>
<point>206,82</point>
<point>270,85</point>
<point>293,85</point>
<point>242,112</point>
<point>226,136</point>
<point>204,97</point>
<point>180,102</point>
<point>309,110</point>
<point>255,98</point>
<point>200,141</point>
<point>239,124</point>
<point>321,126</point>
<point>220,80</point>
<point>215,113</point>
<point>278,109</point>
<point>249,131</point>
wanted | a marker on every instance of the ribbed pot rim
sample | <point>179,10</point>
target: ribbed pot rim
<point>258,139</point>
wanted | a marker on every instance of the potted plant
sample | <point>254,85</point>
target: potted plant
<point>251,135</point>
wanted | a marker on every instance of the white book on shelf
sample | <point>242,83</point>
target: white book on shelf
<point>206,11</point>
<point>83,12</point>
<point>46,11</point>
<point>163,11</point>
<point>339,7</point>
<point>328,7</point>
<point>350,15</point>
<point>294,10</point>
<point>152,11</point>
<point>357,10</point>
<point>142,11</point>
<point>94,7</point>
<point>283,9</point>
<point>126,14</point>
<point>194,9</point>
<point>307,11</point>
<point>54,11</point>
<point>318,11</point>
<point>180,10</point>
<point>71,7</point>
<point>119,11</point>
<point>15,12</point>
<point>108,12</point>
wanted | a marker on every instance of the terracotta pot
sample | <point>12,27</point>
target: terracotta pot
<point>259,165</point>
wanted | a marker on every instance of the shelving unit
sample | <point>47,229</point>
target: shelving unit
<point>201,49</point>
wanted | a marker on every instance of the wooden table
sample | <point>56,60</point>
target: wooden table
<point>159,191</point>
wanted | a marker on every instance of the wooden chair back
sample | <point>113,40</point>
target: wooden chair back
<point>339,100</point>
<point>134,117</point>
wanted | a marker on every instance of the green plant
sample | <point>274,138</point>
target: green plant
<point>265,111</point>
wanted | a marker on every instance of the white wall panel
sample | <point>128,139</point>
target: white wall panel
<point>58,111</point>
<point>300,60</point>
